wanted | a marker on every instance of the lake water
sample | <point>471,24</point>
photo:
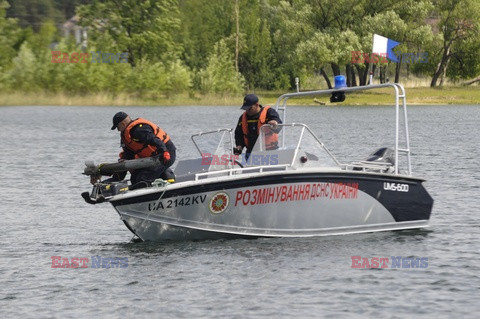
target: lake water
<point>43,215</point>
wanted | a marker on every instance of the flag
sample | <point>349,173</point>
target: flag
<point>384,46</point>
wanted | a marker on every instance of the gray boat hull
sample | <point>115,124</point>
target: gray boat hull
<point>278,205</point>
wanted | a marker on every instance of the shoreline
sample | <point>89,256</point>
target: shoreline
<point>415,96</point>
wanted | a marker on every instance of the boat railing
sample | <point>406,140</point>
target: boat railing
<point>243,170</point>
<point>380,167</point>
<point>281,105</point>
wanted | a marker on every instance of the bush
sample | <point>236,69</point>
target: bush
<point>21,76</point>
<point>220,75</point>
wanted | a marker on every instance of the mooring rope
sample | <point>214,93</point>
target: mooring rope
<point>156,183</point>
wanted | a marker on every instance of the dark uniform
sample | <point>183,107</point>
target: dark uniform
<point>253,133</point>
<point>139,140</point>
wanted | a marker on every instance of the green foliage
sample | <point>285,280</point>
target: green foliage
<point>22,74</point>
<point>145,78</point>
<point>67,7</point>
<point>255,58</point>
<point>460,23</point>
<point>203,23</point>
<point>34,13</point>
<point>9,35</point>
<point>144,29</point>
<point>40,41</point>
<point>176,46</point>
<point>220,75</point>
<point>286,31</point>
<point>465,62</point>
<point>334,47</point>
<point>179,78</point>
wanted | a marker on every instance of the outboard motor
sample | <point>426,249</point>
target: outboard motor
<point>102,191</point>
<point>384,154</point>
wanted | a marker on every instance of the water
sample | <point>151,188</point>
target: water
<point>43,215</point>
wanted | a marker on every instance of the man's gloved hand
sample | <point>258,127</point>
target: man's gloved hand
<point>166,157</point>
<point>237,151</point>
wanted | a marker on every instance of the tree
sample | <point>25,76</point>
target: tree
<point>145,29</point>
<point>34,13</point>
<point>220,76</point>
<point>22,74</point>
<point>9,36</point>
<point>67,7</point>
<point>459,23</point>
<point>465,62</point>
<point>255,56</point>
<point>411,34</point>
<point>323,34</point>
<point>203,24</point>
<point>287,29</point>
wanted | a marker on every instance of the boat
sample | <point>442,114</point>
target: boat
<point>299,189</point>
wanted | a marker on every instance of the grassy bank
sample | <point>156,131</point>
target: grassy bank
<point>102,99</point>
<point>416,95</point>
<point>423,96</point>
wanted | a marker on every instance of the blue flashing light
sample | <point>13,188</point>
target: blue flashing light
<point>340,82</point>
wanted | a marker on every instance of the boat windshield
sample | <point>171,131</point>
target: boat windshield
<point>211,143</point>
<point>215,148</point>
<point>293,144</point>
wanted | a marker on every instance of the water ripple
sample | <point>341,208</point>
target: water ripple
<point>43,215</point>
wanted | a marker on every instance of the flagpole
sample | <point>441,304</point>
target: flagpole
<point>370,65</point>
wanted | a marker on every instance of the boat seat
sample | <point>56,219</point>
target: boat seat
<point>187,168</point>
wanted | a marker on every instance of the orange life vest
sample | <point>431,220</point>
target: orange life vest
<point>271,138</point>
<point>142,150</point>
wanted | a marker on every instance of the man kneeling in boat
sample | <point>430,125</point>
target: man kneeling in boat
<point>141,138</point>
<point>249,124</point>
